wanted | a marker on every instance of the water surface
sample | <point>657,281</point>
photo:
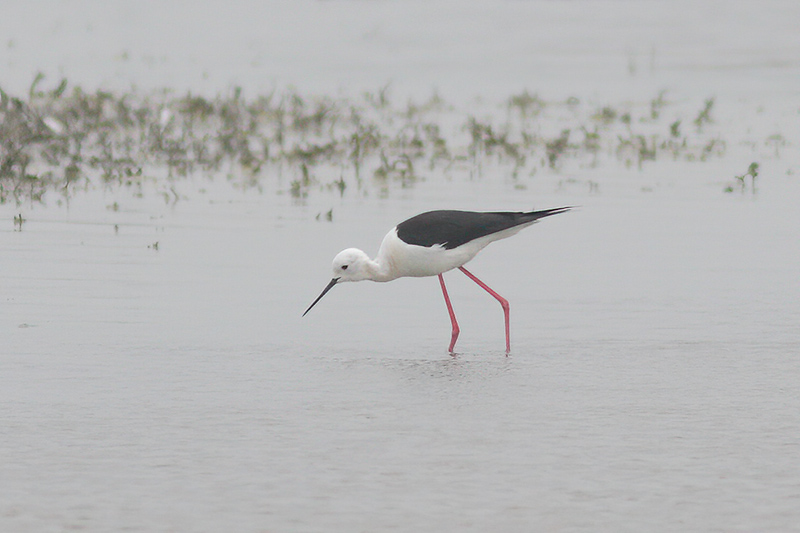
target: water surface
<point>156,374</point>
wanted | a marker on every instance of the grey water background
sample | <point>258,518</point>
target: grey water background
<point>653,379</point>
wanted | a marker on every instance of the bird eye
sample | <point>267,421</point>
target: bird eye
<point>344,267</point>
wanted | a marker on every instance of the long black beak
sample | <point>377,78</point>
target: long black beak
<point>329,287</point>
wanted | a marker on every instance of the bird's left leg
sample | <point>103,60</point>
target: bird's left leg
<point>454,335</point>
<point>503,303</point>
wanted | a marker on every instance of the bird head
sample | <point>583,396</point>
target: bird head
<point>348,265</point>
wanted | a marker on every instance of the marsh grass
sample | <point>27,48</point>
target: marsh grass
<point>60,141</point>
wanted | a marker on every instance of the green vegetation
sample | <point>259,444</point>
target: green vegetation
<point>752,172</point>
<point>59,141</point>
<point>704,116</point>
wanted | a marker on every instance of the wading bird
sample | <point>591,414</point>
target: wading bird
<point>429,245</point>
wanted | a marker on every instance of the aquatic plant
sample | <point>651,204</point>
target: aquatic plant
<point>64,140</point>
<point>752,172</point>
<point>704,116</point>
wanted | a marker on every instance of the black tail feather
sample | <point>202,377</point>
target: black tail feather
<point>536,215</point>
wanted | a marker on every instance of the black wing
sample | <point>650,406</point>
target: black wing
<point>454,228</point>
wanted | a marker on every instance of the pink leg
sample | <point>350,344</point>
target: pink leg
<point>454,335</point>
<point>503,303</point>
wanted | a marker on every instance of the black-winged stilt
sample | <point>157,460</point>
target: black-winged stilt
<point>429,245</point>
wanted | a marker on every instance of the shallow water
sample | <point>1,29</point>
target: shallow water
<point>652,384</point>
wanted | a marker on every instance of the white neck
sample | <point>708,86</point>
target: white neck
<point>379,269</point>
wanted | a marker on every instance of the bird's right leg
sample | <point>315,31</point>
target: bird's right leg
<point>503,303</point>
<point>453,321</point>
